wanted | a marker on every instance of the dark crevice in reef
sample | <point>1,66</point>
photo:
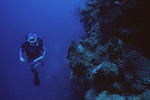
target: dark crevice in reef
<point>112,60</point>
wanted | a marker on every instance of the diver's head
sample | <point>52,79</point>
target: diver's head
<point>32,38</point>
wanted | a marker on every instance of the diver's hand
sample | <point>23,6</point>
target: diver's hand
<point>22,59</point>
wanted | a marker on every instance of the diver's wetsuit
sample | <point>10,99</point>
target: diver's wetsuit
<point>33,52</point>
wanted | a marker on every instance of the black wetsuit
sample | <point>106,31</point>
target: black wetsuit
<point>33,52</point>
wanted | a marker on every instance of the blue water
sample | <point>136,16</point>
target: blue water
<point>56,23</point>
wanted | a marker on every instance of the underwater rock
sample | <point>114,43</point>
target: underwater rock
<point>90,95</point>
<point>103,76</point>
<point>107,69</point>
<point>129,77</point>
<point>144,96</point>
<point>138,88</point>
<point>116,51</point>
<point>91,42</point>
<point>89,68</point>
<point>139,65</point>
<point>118,87</point>
<point>130,21</point>
<point>106,96</point>
<point>112,59</point>
<point>80,49</point>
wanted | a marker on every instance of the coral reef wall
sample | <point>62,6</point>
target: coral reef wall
<point>112,60</point>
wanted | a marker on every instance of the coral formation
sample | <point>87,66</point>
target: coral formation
<point>112,61</point>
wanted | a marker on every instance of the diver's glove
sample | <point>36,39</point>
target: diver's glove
<point>22,59</point>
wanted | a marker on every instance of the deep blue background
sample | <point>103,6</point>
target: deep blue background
<point>56,23</point>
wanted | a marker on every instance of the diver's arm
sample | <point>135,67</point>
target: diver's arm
<point>44,51</point>
<point>21,53</point>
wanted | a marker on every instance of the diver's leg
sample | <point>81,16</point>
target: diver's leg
<point>30,62</point>
<point>36,64</point>
<point>36,77</point>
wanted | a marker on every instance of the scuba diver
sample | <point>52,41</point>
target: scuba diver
<point>35,52</point>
